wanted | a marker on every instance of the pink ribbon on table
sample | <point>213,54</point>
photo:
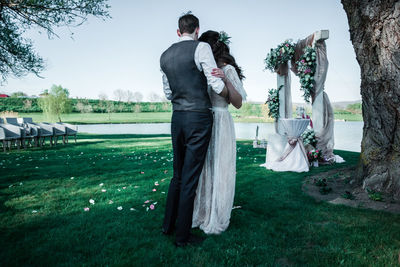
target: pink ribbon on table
<point>293,141</point>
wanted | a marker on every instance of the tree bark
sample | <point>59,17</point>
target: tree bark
<point>375,34</point>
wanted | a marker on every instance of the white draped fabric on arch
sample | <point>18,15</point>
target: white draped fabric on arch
<point>285,152</point>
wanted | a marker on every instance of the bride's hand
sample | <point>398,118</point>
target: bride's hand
<point>218,73</point>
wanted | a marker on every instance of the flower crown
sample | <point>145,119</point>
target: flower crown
<point>224,38</point>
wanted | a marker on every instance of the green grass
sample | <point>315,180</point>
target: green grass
<point>278,224</point>
<point>150,117</point>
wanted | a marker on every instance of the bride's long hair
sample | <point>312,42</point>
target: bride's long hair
<point>220,51</point>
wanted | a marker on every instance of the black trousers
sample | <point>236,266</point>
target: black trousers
<point>190,132</point>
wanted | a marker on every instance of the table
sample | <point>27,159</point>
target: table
<point>285,152</point>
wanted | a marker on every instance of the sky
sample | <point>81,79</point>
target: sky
<point>123,52</point>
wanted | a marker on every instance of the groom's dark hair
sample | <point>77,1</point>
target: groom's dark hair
<point>188,23</point>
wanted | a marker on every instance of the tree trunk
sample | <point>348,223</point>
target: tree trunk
<point>375,34</point>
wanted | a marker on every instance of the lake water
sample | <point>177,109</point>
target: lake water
<point>348,135</point>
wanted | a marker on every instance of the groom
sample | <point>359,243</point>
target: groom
<point>187,67</point>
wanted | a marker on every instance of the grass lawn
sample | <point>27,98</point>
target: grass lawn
<point>43,193</point>
<point>150,117</point>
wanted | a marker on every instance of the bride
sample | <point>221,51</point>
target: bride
<point>216,188</point>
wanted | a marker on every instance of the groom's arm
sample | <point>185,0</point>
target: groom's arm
<point>204,59</point>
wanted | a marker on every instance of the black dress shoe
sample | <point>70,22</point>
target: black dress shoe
<point>166,232</point>
<point>193,240</point>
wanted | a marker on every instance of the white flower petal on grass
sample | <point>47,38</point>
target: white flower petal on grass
<point>34,211</point>
<point>101,184</point>
<point>103,190</point>
<point>91,201</point>
<point>124,187</point>
<point>119,190</point>
<point>119,208</point>
<point>86,209</point>
<point>132,209</point>
<point>110,202</point>
<point>72,178</point>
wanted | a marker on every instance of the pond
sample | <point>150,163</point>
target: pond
<point>348,135</point>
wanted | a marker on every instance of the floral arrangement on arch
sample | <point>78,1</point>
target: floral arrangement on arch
<point>273,103</point>
<point>309,137</point>
<point>306,67</point>
<point>280,55</point>
<point>314,155</point>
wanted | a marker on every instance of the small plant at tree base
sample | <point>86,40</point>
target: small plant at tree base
<point>325,190</point>
<point>321,182</point>
<point>373,195</point>
<point>348,195</point>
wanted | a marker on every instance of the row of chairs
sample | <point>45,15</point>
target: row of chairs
<point>20,131</point>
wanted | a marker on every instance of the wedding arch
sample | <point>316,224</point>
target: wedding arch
<point>307,59</point>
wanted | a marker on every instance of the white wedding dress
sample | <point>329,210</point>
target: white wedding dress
<point>216,188</point>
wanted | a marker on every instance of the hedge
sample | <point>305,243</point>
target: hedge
<point>22,105</point>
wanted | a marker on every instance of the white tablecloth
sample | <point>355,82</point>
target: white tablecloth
<point>286,152</point>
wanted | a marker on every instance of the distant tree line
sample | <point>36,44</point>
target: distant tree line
<point>29,105</point>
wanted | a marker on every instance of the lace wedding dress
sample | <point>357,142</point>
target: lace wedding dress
<point>216,188</point>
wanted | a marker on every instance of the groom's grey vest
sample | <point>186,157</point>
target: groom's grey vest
<point>187,83</point>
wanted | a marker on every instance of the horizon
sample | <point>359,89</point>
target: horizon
<point>121,53</point>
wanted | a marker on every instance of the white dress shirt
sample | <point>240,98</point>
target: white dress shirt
<point>204,59</point>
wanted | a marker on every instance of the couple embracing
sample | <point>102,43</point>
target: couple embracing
<point>201,78</point>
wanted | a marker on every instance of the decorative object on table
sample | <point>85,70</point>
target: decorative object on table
<point>300,111</point>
